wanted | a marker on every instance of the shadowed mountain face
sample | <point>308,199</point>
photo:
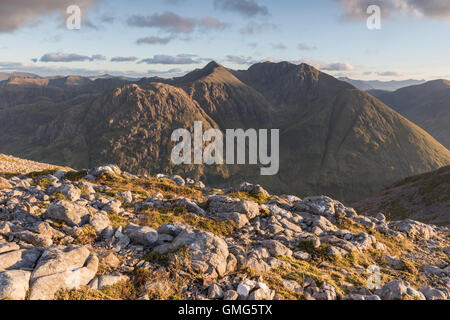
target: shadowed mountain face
<point>427,105</point>
<point>425,197</point>
<point>334,139</point>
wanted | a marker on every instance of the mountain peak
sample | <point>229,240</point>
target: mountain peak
<point>212,71</point>
<point>212,65</point>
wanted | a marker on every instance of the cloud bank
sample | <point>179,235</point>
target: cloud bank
<point>69,57</point>
<point>248,8</point>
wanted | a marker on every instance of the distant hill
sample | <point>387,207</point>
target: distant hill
<point>425,197</point>
<point>381,85</point>
<point>6,76</point>
<point>334,138</point>
<point>427,105</point>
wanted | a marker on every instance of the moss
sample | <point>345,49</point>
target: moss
<point>256,197</point>
<point>75,175</point>
<point>145,186</point>
<point>88,235</point>
<point>124,290</point>
<point>116,220</point>
<point>9,175</point>
<point>161,259</point>
<point>58,196</point>
<point>156,218</point>
<point>43,182</point>
<point>317,253</point>
<point>36,174</point>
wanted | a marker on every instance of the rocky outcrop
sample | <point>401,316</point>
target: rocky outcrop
<point>272,248</point>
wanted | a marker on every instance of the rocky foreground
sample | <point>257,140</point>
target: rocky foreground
<point>107,234</point>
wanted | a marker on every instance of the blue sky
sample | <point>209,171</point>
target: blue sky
<point>179,35</point>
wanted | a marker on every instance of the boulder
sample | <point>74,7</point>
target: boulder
<point>71,192</point>
<point>433,294</point>
<point>215,292</point>
<point>19,259</point>
<point>414,229</point>
<point>397,290</point>
<point>276,248</point>
<point>218,204</point>
<point>62,268</point>
<point>104,281</point>
<point>230,295</point>
<point>100,221</point>
<point>206,249</point>
<point>36,239</point>
<point>293,286</point>
<point>14,284</point>
<point>141,235</point>
<point>69,212</point>
<point>245,287</point>
<point>8,246</point>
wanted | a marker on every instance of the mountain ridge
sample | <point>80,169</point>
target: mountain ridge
<point>428,105</point>
<point>331,133</point>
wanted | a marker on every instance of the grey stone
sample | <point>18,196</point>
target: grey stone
<point>215,292</point>
<point>71,213</point>
<point>276,248</point>
<point>19,259</point>
<point>71,192</point>
<point>433,294</point>
<point>142,235</point>
<point>219,204</point>
<point>36,239</point>
<point>62,268</point>
<point>8,246</point>
<point>245,287</point>
<point>100,221</point>
<point>397,290</point>
<point>301,255</point>
<point>230,295</point>
<point>292,286</point>
<point>414,229</point>
<point>102,282</point>
<point>14,284</point>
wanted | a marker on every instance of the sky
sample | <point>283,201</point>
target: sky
<point>138,38</point>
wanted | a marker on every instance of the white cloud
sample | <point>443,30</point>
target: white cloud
<point>390,74</point>
<point>124,59</point>
<point>69,57</point>
<point>176,24</point>
<point>256,28</point>
<point>305,47</point>
<point>240,60</point>
<point>336,66</point>
<point>248,8</point>
<point>167,59</point>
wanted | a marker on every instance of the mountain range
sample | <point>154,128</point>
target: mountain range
<point>334,139</point>
<point>427,105</point>
<point>381,85</point>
